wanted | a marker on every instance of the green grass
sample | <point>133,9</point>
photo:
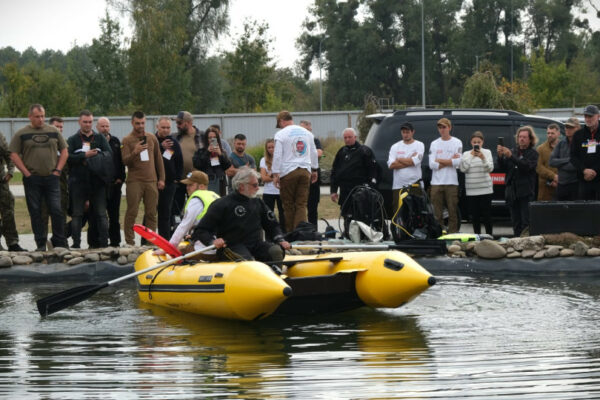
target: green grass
<point>327,209</point>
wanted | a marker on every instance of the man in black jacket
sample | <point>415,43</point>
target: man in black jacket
<point>113,192</point>
<point>585,155</point>
<point>173,162</point>
<point>86,187</point>
<point>237,221</point>
<point>519,165</point>
<point>353,165</point>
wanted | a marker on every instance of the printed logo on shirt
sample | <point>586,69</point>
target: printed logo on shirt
<point>239,211</point>
<point>270,215</point>
<point>300,146</point>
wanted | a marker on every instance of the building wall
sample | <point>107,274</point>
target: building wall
<point>256,127</point>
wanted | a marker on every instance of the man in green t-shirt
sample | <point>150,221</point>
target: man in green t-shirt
<point>39,151</point>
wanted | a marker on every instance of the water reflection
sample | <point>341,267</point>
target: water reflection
<point>465,337</point>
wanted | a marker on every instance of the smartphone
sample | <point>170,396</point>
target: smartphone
<point>476,147</point>
<point>213,142</point>
<point>501,141</point>
<point>143,140</point>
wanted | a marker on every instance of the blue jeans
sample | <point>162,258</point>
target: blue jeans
<point>47,188</point>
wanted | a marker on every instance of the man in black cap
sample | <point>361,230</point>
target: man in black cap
<point>585,155</point>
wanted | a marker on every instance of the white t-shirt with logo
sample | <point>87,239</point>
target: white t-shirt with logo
<point>409,175</point>
<point>444,149</point>
<point>294,148</point>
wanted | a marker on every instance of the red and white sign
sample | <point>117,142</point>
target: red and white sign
<point>498,179</point>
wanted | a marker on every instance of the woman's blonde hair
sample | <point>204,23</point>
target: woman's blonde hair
<point>268,157</point>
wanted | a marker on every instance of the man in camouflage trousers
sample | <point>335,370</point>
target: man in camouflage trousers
<point>8,227</point>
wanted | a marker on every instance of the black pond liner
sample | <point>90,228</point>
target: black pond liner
<point>86,272</point>
<point>552,267</point>
<point>469,266</point>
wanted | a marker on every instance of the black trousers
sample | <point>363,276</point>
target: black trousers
<point>519,214</point>
<point>314,195</point>
<point>272,199</point>
<point>260,251</point>
<point>567,192</point>
<point>480,208</point>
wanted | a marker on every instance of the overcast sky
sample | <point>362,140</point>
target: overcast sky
<point>66,22</point>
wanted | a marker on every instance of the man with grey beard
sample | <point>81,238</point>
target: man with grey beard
<point>237,221</point>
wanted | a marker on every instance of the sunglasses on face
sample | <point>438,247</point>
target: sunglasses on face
<point>254,185</point>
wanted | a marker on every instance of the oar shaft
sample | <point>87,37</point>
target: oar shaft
<point>163,264</point>
<point>343,246</point>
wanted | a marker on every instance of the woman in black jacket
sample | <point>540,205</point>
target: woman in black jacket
<point>212,160</point>
<point>519,165</point>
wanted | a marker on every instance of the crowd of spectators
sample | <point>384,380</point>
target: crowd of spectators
<point>159,167</point>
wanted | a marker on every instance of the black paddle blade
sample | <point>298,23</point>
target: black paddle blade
<point>58,301</point>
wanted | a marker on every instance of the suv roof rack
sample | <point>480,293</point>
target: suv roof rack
<point>456,111</point>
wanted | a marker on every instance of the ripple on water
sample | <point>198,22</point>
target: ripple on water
<point>465,337</point>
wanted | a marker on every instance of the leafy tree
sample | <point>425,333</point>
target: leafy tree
<point>16,96</point>
<point>169,38</point>
<point>549,82</point>
<point>108,87</point>
<point>248,69</point>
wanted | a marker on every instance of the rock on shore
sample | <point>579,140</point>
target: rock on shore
<point>119,255</point>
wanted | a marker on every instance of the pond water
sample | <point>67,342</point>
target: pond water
<point>465,337</point>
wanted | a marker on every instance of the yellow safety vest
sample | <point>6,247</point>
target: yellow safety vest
<point>206,197</point>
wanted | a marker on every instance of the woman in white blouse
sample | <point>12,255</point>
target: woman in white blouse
<point>477,165</point>
<point>270,192</point>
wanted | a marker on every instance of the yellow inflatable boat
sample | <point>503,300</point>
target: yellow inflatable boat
<point>250,290</point>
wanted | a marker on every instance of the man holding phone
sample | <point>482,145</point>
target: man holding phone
<point>145,175</point>
<point>87,190</point>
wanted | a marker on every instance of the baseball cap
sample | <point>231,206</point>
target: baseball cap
<point>572,122</point>
<point>591,110</point>
<point>407,125</point>
<point>184,116</point>
<point>445,121</point>
<point>198,177</point>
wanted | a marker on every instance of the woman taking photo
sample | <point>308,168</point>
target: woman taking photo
<point>212,160</point>
<point>477,165</point>
<point>270,192</point>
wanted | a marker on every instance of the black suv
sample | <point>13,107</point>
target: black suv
<point>385,131</point>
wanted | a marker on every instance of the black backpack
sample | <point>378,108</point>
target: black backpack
<point>365,204</point>
<point>416,219</point>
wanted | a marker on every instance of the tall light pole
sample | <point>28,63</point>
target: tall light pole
<point>423,55</point>
<point>320,80</point>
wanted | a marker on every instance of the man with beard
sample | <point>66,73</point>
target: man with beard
<point>190,139</point>
<point>568,183</point>
<point>585,155</point>
<point>146,174</point>
<point>547,174</point>
<point>519,164</point>
<point>238,220</point>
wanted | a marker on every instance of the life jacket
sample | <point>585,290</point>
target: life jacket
<point>206,197</point>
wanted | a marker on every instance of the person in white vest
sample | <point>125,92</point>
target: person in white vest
<point>199,198</point>
<point>295,164</point>
<point>444,159</point>
<point>477,165</point>
<point>405,160</point>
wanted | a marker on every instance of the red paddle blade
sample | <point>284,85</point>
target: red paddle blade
<point>156,240</point>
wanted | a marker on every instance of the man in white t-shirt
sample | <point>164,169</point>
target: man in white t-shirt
<point>405,160</point>
<point>444,159</point>
<point>295,164</point>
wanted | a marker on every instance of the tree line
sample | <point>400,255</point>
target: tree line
<point>519,54</point>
